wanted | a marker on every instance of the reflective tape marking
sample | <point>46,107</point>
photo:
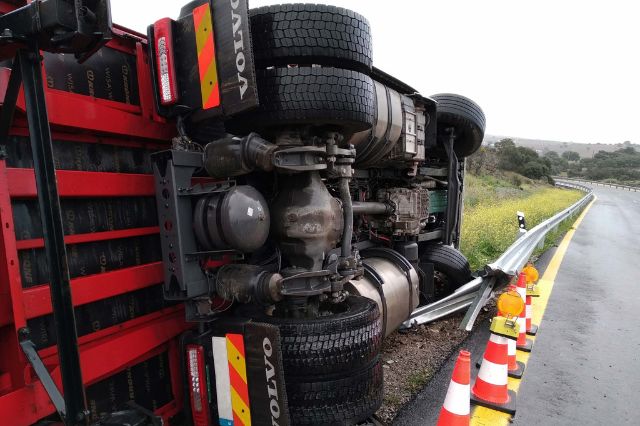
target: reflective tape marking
<point>238,379</point>
<point>223,385</point>
<point>205,44</point>
<point>495,374</point>
<point>457,399</point>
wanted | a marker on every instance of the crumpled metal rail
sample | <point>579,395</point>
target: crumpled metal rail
<point>477,292</point>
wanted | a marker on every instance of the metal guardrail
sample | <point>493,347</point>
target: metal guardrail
<point>477,292</point>
<point>607,184</point>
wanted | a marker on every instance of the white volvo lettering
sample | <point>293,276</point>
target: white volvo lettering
<point>238,46</point>
<point>272,385</point>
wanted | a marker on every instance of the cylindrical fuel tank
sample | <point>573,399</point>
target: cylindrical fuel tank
<point>392,282</point>
<point>376,143</point>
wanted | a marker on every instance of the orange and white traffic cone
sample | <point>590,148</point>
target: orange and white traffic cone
<point>456,408</point>
<point>490,388</point>
<point>523,344</point>
<point>531,276</point>
<point>516,368</point>
<point>532,329</point>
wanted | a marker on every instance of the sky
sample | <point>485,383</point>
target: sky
<point>545,69</point>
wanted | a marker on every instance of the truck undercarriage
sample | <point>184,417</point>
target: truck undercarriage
<point>240,189</point>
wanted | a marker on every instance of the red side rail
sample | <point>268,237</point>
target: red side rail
<point>80,119</point>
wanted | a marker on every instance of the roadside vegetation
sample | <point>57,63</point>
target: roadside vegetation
<point>506,156</point>
<point>489,223</point>
<point>621,166</point>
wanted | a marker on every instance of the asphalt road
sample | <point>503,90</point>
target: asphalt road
<point>585,366</point>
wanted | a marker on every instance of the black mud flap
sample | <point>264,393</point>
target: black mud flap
<point>237,350</point>
<point>266,375</point>
<point>235,56</point>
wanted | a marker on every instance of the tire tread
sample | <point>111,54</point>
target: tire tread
<point>310,95</point>
<point>310,34</point>
<point>466,117</point>
<point>347,400</point>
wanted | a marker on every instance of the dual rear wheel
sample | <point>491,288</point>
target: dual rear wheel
<point>314,67</point>
<point>332,363</point>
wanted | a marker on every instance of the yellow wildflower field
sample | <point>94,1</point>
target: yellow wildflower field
<point>490,225</point>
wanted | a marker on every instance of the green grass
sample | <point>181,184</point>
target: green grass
<point>417,380</point>
<point>489,224</point>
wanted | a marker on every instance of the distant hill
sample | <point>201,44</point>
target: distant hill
<point>586,150</point>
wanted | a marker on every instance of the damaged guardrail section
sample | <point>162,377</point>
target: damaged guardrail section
<point>475,294</point>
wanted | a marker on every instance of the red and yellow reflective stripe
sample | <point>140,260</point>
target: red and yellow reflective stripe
<point>238,380</point>
<point>203,27</point>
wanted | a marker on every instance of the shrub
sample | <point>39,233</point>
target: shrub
<point>535,169</point>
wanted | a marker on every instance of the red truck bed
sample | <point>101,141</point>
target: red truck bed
<point>103,134</point>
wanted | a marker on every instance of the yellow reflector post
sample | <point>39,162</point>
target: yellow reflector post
<point>530,273</point>
<point>510,303</point>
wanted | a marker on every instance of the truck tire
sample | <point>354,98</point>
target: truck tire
<point>308,34</point>
<point>335,344</point>
<point>451,267</point>
<point>340,401</point>
<point>309,96</point>
<point>466,117</point>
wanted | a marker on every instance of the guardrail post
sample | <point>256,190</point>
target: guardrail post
<point>522,225</point>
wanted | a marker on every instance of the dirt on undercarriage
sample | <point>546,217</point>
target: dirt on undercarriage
<point>412,357</point>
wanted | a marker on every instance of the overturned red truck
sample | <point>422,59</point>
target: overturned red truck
<point>217,222</point>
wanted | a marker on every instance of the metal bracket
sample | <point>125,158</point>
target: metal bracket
<point>460,299</point>
<point>482,296</point>
<point>173,171</point>
<point>300,158</point>
<point>453,196</point>
<point>212,188</point>
<point>307,283</point>
<point>29,349</point>
<point>214,255</point>
<point>61,26</point>
<point>134,416</point>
